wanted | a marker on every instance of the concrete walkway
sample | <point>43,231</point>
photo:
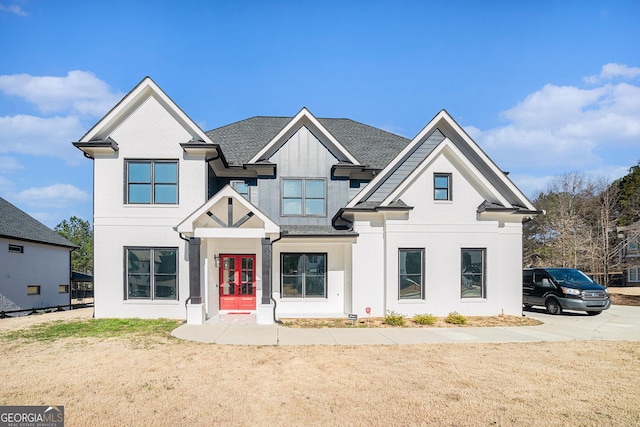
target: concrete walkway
<point>619,323</point>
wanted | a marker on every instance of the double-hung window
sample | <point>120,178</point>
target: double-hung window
<point>303,197</point>
<point>473,273</point>
<point>634,274</point>
<point>304,275</point>
<point>152,273</point>
<point>442,186</point>
<point>411,274</point>
<point>152,182</point>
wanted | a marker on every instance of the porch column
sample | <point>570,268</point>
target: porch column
<point>194,271</point>
<point>266,271</point>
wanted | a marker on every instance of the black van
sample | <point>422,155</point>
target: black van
<point>560,289</point>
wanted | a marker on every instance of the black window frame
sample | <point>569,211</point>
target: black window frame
<point>36,289</point>
<point>303,292</point>
<point>16,249</point>
<point>130,295</point>
<point>152,182</point>
<point>448,188</point>
<point>303,198</point>
<point>469,275</point>
<point>421,295</point>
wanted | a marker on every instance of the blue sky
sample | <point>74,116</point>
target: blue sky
<point>545,87</point>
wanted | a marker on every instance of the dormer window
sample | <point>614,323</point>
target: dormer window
<point>303,197</point>
<point>152,182</point>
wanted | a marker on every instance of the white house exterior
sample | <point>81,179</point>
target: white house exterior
<point>35,263</point>
<point>296,217</point>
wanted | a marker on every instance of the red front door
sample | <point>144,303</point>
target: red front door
<point>237,282</point>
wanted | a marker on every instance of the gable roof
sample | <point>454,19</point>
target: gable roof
<point>371,147</point>
<point>97,138</point>
<point>424,145</point>
<point>16,224</point>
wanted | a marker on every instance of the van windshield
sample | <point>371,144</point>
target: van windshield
<point>568,275</point>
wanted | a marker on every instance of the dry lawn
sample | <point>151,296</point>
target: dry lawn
<point>161,381</point>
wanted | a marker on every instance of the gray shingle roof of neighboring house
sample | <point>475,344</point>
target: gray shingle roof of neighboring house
<point>16,224</point>
<point>373,147</point>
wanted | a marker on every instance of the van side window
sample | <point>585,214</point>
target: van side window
<point>527,277</point>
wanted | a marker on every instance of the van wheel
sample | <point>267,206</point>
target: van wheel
<point>593,313</point>
<point>553,306</point>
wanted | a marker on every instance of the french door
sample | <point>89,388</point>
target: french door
<point>237,282</point>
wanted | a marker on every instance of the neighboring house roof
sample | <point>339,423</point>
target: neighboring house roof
<point>372,147</point>
<point>18,225</point>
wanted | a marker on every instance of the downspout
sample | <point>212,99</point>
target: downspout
<point>186,240</point>
<point>275,304</point>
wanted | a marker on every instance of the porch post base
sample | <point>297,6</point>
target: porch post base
<point>264,314</point>
<point>195,314</point>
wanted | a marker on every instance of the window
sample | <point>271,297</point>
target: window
<point>634,274</point>
<point>16,249</point>
<point>411,272</point>
<point>442,186</point>
<point>152,182</point>
<point>303,197</point>
<point>33,289</point>
<point>632,246</point>
<point>63,289</point>
<point>152,273</point>
<point>473,273</point>
<point>242,188</point>
<point>304,275</point>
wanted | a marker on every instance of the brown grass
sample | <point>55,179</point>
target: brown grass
<point>621,299</point>
<point>160,381</point>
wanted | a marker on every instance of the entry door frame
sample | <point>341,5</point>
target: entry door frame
<point>236,293</point>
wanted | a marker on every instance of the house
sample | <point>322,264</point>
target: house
<point>296,216</point>
<point>629,254</point>
<point>35,262</point>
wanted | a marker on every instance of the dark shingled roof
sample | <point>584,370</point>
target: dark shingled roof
<point>373,147</point>
<point>16,224</point>
<point>314,230</point>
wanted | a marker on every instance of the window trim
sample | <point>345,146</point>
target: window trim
<point>483,274</point>
<point>304,284</point>
<point>33,290</point>
<point>449,188</point>
<point>152,274</point>
<point>16,249</point>
<point>421,297</point>
<point>633,271</point>
<point>303,198</point>
<point>152,182</point>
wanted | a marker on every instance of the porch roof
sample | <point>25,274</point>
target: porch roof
<point>314,231</point>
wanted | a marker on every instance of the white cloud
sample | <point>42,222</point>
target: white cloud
<point>13,8</point>
<point>80,92</point>
<point>613,71</point>
<point>9,164</point>
<point>6,186</point>
<point>41,136</point>
<point>53,196</point>
<point>567,127</point>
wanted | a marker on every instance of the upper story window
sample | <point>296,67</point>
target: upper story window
<point>303,197</point>
<point>242,188</point>
<point>632,246</point>
<point>442,186</point>
<point>152,182</point>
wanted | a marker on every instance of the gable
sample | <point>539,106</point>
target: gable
<point>395,177</point>
<point>303,155</point>
<point>227,215</point>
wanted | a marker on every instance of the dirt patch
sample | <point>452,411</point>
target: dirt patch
<point>622,299</point>
<point>379,322</point>
<point>166,382</point>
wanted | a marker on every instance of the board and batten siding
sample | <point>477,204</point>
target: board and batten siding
<point>302,156</point>
<point>408,165</point>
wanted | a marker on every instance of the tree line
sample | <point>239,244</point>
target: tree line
<point>578,228</point>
